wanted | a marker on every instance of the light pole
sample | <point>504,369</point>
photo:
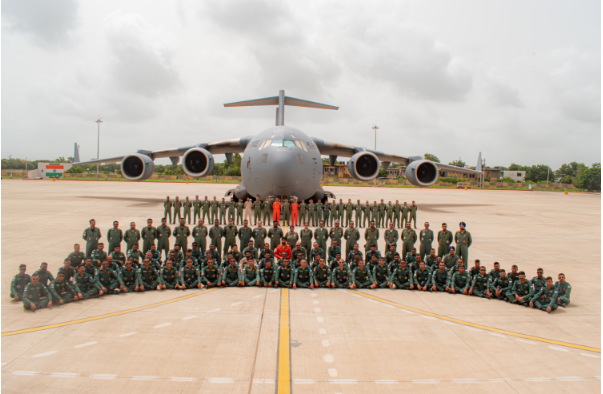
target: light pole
<point>99,121</point>
<point>375,148</point>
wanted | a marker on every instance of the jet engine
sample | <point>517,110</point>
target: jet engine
<point>197,162</point>
<point>137,167</point>
<point>364,166</point>
<point>422,173</point>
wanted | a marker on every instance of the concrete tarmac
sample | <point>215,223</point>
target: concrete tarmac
<point>257,340</point>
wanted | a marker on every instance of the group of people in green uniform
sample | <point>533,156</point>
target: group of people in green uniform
<point>234,255</point>
<point>290,213</point>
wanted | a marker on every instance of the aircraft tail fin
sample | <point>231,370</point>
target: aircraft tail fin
<point>281,100</point>
<point>479,166</point>
<point>76,153</point>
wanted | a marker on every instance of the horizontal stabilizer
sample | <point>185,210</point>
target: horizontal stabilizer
<point>290,101</point>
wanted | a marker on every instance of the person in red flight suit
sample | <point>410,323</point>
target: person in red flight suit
<point>276,210</point>
<point>283,251</point>
<point>294,213</point>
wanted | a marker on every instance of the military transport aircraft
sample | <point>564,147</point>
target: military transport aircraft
<point>282,161</point>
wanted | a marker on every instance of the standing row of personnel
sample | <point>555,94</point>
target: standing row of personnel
<point>290,213</point>
<point>224,238</point>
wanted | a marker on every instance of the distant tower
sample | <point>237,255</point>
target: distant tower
<point>76,153</point>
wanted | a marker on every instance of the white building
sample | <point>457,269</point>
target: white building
<point>49,170</point>
<point>518,176</point>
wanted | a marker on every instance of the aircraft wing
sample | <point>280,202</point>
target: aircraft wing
<point>236,145</point>
<point>329,148</point>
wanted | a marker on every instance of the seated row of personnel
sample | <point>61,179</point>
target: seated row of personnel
<point>225,238</point>
<point>290,213</point>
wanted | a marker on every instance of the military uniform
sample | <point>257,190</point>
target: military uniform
<point>523,290</point>
<point>214,211</point>
<point>128,278</point>
<point>131,237</point>
<point>440,279</point>
<point>36,295</point>
<point>301,250</point>
<point>381,275</point>
<point>538,283</point>
<point>253,252</point>
<point>61,291</point>
<point>460,282</point>
<point>358,208</point>
<point>413,214</point>
<point>245,234</point>
<point>231,275</point>
<point>409,238</point>
<point>186,208</point>
<point>91,236</point>
<point>45,277</point>
<point>405,211</point>
<point>422,278</point>
<point>396,219</point>
<point>98,257</point>
<point>197,209</point>
<point>349,210</point>
<point>320,236</point>
<point>306,238</point>
<point>450,261</point>
<point>336,234</point>
<point>375,214</point>
<point>501,284</point>
<point>367,215</point>
<point>114,238</point>
<point>381,215</point>
<point>168,277</point>
<point>163,239</point>
<point>205,206</point>
<point>284,276</point>
<point>251,275</point>
<point>463,242</point>
<point>340,277</point>
<point>432,262</point>
<point>316,254</point>
<point>371,236</point>
<point>303,213</point>
<point>391,237</point>
<point>321,275</point>
<point>292,238</point>
<point>109,280</point>
<point>480,285</point>
<point>211,275</point>
<point>76,258</point>
<point>266,212</point>
<point>444,241</point>
<point>275,236</point>
<point>189,277</point>
<point>564,290</point>
<point>401,277</point>
<point>302,277</point>
<point>362,278</point>
<point>257,212</point>
<point>327,210</point>
<point>332,253</point>
<point>267,276</point>
<point>147,278</point>
<point>239,208</point>
<point>148,234</point>
<point>200,237</point>
<point>223,206</point>
<point>69,273</point>
<point>215,236</point>
<point>231,210</point>
<point>545,298</point>
<point>286,213</point>
<point>351,239</point>
<point>259,237</point>
<point>426,238</point>
<point>86,285</point>
<point>181,235</point>
<point>167,210</point>
<point>18,285</point>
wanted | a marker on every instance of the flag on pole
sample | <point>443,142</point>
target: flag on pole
<point>54,170</point>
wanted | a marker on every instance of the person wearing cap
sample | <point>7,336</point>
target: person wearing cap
<point>91,235</point>
<point>463,242</point>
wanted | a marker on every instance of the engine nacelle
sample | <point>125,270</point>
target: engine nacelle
<point>197,162</point>
<point>364,166</point>
<point>422,173</point>
<point>137,167</point>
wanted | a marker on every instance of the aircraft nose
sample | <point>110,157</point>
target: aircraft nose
<point>283,166</point>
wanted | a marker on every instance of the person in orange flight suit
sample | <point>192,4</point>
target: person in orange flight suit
<point>276,210</point>
<point>294,213</point>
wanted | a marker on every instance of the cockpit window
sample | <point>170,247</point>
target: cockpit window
<point>277,143</point>
<point>264,144</point>
<point>301,145</point>
<point>289,143</point>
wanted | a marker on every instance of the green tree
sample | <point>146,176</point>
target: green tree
<point>382,173</point>
<point>458,163</point>
<point>75,170</point>
<point>590,178</point>
<point>429,156</point>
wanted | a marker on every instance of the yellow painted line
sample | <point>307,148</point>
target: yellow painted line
<point>87,319</point>
<point>480,326</point>
<point>283,378</point>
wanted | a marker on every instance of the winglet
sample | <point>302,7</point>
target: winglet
<point>76,153</point>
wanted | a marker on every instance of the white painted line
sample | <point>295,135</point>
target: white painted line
<point>389,306</point>
<point>181,379</point>
<point>85,344</point>
<point>589,355</point>
<point>220,380</point>
<point>44,354</point>
<point>3,364</point>
<point>24,373</point>
<point>257,296</point>
<point>317,310</point>
<point>315,302</point>
<point>473,329</point>
<point>162,325</point>
<point>405,311</point>
<point>559,349</point>
<point>496,380</point>
<point>328,358</point>
<point>189,317</point>
<point>386,381</point>
<point>343,381</point>
<point>428,317</point>
<point>273,291</point>
<point>213,310</point>
<point>313,295</point>
<point>571,379</point>
<point>304,381</point>
<point>426,381</point>
<point>498,335</point>
<point>468,380</point>
<point>332,372</point>
<point>264,381</point>
<point>537,380</point>
<point>326,343</point>
<point>598,377</point>
<point>128,334</point>
<point>145,377</point>
<point>103,376</point>
<point>64,375</point>
<point>236,303</point>
<point>320,319</point>
<point>528,342</point>
<point>322,331</point>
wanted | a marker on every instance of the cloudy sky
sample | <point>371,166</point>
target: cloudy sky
<point>518,80</point>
